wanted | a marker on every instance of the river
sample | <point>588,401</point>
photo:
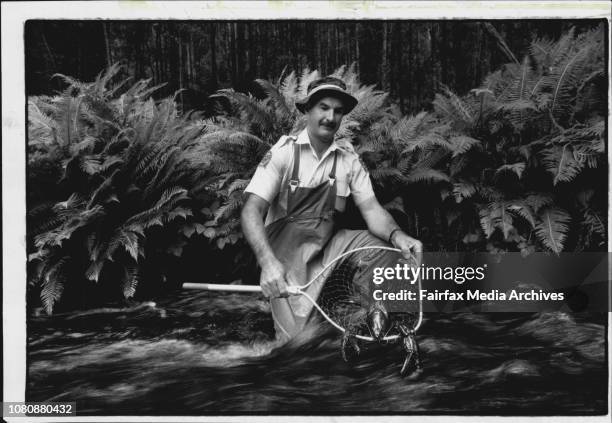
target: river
<point>202,353</point>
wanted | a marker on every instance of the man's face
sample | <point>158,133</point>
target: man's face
<point>324,117</point>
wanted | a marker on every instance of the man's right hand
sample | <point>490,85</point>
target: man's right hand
<point>272,281</point>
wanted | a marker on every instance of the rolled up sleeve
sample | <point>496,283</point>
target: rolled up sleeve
<point>266,181</point>
<point>360,183</point>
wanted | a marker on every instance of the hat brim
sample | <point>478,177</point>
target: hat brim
<point>348,101</point>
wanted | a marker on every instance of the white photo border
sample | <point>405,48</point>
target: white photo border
<point>14,16</point>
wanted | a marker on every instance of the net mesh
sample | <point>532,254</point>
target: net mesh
<point>347,294</point>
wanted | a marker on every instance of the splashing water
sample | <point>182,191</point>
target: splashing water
<point>214,354</point>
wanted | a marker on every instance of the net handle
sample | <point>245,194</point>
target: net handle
<point>299,290</point>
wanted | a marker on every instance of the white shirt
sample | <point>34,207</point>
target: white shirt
<point>272,176</point>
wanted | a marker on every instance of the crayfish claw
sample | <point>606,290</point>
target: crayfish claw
<point>350,347</point>
<point>412,362</point>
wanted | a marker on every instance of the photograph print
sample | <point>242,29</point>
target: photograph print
<point>207,201</point>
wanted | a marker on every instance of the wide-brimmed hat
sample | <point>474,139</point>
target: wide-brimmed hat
<point>327,88</point>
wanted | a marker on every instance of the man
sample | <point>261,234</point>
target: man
<point>297,189</point>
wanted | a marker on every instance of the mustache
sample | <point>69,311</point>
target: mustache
<point>328,124</point>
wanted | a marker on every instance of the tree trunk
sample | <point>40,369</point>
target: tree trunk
<point>384,77</point>
<point>180,69</point>
<point>51,55</point>
<point>213,56</point>
<point>357,39</point>
<point>109,60</point>
<point>232,52</point>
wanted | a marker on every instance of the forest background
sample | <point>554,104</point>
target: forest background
<point>134,185</point>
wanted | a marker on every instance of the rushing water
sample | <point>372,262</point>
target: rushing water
<point>200,353</point>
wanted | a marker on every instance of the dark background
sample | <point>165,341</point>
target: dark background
<point>409,59</point>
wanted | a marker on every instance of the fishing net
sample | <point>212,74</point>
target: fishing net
<point>347,295</point>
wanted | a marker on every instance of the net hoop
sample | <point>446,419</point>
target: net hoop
<point>299,290</point>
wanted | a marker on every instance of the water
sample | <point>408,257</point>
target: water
<point>209,353</point>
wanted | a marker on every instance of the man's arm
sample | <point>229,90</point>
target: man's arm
<point>272,280</point>
<point>381,224</point>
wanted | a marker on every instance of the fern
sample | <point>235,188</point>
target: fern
<point>463,190</point>
<point>130,281</point>
<point>461,144</point>
<point>496,216</point>
<point>552,228</point>
<point>427,175</point>
<point>560,162</point>
<point>516,168</point>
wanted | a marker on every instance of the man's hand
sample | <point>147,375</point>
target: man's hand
<point>410,247</point>
<point>272,281</point>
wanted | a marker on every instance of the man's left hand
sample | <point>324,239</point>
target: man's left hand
<point>411,248</point>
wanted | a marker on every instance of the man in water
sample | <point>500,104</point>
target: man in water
<point>297,189</point>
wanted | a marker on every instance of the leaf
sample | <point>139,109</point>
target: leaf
<point>552,228</point>
<point>177,248</point>
<point>130,243</point>
<point>181,212</point>
<point>495,216</point>
<point>210,233</point>
<point>461,144</point>
<point>93,271</point>
<point>595,223</point>
<point>427,175</point>
<point>516,168</point>
<point>130,281</point>
<point>463,190</point>
<point>221,243</point>
<point>560,162</point>
<point>188,230</point>
<point>523,210</point>
<point>538,200</point>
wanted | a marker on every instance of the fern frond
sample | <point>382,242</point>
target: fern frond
<point>232,205</point>
<point>463,190</point>
<point>552,228</point>
<point>452,108</point>
<point>461,144</point>
<point>595,223</point>
<point>563,81</point>
<point>238,185</point>
<point>522,209</point>
<point>305,79</point>
<point>408,127</point>
<point>560,162</point>
<point>278,100</point>
<point>427,175</point>
<point>516,168</point>
<point>538,200</point>
<point>130,281</point>
<point>424,141</point>
<point>387,176</point>
<point>495,216</point>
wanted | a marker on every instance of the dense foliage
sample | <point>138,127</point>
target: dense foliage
<point>407,58</point>
<point>123,189</point>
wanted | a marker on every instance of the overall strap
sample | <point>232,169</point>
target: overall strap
<point>294,181</point>
<point>332,174</point>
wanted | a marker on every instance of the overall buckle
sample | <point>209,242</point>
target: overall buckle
<point>293,184</point>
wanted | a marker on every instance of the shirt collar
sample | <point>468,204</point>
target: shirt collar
<point>303,138</point>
